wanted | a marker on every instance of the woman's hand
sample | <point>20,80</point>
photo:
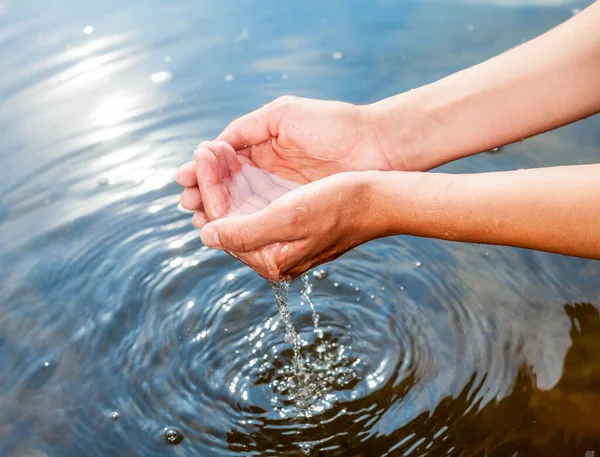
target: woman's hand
<point>277,227</point>
<point>303,140</point>
<point>304,228</point>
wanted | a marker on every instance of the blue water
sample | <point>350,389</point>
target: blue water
<point>109,302</point>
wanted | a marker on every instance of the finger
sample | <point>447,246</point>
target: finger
<point>199,219</point>
<point>243,199</point>
<point>212,184</point>
<point>190,199</point>
<point>221,158</point>
<point>186,175</point>
<point>253,128</point>
<point>247,233</point>
<point>226,151</point>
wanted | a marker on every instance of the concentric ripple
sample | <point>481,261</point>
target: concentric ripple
<point>121,335</point>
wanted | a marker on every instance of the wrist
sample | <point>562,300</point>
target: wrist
<point>411,203</point>
<point>391,202</point>
<point>409,127</point>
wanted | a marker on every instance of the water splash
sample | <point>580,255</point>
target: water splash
<point>305,293</point>
<point>307,386</point>
<point>282,289</point>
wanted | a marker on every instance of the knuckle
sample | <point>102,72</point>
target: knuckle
<point>285,99</point>
<point>236,240</point>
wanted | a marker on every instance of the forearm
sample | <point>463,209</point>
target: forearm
<point>549,209</point>
<point>545,83</point>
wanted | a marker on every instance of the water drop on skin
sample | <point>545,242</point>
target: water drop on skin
<point>114,416</point>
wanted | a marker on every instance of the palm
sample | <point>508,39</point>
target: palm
<point>314,139</point>
<point>299,140</point>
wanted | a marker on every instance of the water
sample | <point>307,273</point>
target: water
<point>112,308</point>
<point>281,290</point>
<point>306,291</point>
<point>309,384</point>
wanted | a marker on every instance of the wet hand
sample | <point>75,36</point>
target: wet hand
<point>303,140</point>
<point>220,183</point>
<point>299,230</point>
<point>276,226</point>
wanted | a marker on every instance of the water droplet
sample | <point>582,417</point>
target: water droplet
<point>88,29</point>
<point>114,416</point>
<point>306,448</point>
<point>419,264</point>
<point>167,59</point>
<point>336,284</point>
<point>344,378</point>
<point>320,274</point>
<point>337,55</point>
<point>46,364</point>
<point>173,436</point>
<point>229,77</point>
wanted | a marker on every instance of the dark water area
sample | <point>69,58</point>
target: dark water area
<point>121,335</point>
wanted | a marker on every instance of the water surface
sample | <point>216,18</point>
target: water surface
<point>110,304</point>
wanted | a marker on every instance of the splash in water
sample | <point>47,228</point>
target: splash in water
<point>282,289</point>
<point>309,383</point>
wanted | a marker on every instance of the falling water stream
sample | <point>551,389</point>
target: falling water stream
<point>309,381</point>
<point>281,289</point>
<point>121,335</point>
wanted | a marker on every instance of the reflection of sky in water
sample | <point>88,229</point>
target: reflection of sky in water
<point>99,104</point>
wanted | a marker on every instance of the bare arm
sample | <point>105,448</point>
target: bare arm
<point>550,209</point>
<point>545,83</point>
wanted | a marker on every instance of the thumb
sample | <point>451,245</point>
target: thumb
<point>250,232</point>
<point>258,126</point>
<point>248,130</point>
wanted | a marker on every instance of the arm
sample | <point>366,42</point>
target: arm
<point>545,83</point>
<point>549,209</point>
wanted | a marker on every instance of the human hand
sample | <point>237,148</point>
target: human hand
<point>300,230</point>
<point>273,225</point>
<point>303,140</point>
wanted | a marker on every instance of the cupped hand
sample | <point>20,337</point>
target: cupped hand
<point>300,230</point>
<point>277,227</point>
<point>303,140</point>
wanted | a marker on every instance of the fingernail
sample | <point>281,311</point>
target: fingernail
<point>210,237</point>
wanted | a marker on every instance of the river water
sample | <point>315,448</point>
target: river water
<point>116,324</point>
